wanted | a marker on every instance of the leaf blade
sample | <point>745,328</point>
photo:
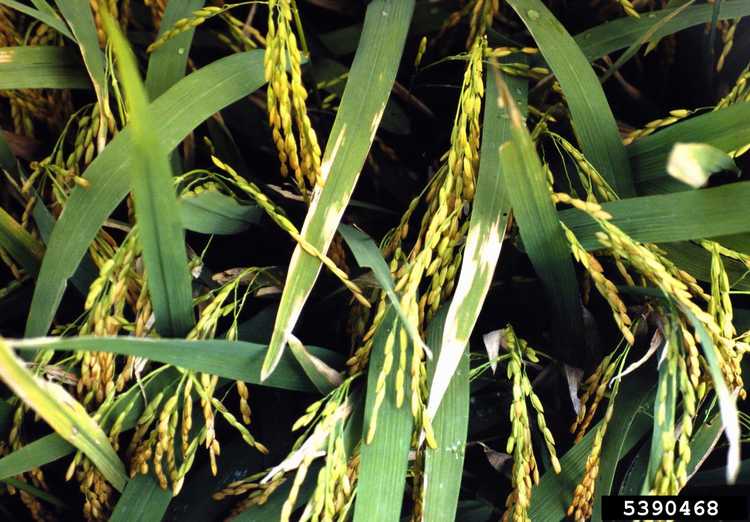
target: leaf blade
<point>237,360</point>
<point>383,462</point>
<point>526,184</point>
<point>591,114</point>
<point>182,108</point>
<point>160,230</point>
<point>64,414</point>
<point>370,80</point>
<point>490,216</point>
<point>42,67</point>
<point>444,464</point>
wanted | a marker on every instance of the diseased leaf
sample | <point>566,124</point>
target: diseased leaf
<point>320,374</point>
<point>693,163</point>
<point>490,217</point>
<point>42,67</point>
<point>64,414</point>
<point>52,447</point>
<point>370,80</point>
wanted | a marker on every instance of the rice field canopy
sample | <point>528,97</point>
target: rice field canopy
<point>330,260</point>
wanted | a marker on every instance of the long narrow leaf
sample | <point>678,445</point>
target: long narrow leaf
<point>211,212</point>
<point>726,129</point>
<point>80,19</point>
<point>231,359</point>
<point>681,216</point>
<point>21,246</point>
<point>175,113</point>
<point>368,255</point>
<point>42,67</point>
<point>52,21</point>
<point>383,462</point>
<point>727,400</point>
<point>642,40</point>
<point>444,464</point>
<point>622,32</point>
<point>53,447</point>
<point>525,183</point>
<point>143,500</point>
<point>591,115</point>
<point>370,81</point>
<point>490,216</point>
<point>42,451</point>
<point>167,64</point>
<point>64,414</point>
<point>550,499</point>
<point>157,213</point>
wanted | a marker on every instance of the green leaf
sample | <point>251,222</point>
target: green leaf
<point>143,500</point>
<point>444,464</point>
<point>368,255</point>
<point>383,462</point>
<point>80,19</point>
<point>43,67</point>
<point>591,114</point>
<point>160,229</point>
<point>53,447</point>
<point>64,414</point>
<point>643,39</point>
<point>727,400</point>
<point>693,163</point>
<point>702,442</point>
<point>237,360</point>
<point>490,216</point>
<point>525,183</point>
<point>211,212</point>
<point>629,422</point>
<point>627,426</point>
<point>36,492</point>
<point>666,401</point>
<point>21,245</point>
<point>6,417</point>
<point>271,510</point>
<point>177,112</point>
<point>47,18</point>
<point>167,64</point>
<point>41,451</point>
<point>681,216</point>
<point>620,33</point>
<point>325,378</point>
<point>726,129</point>
<point>717,477</point>
<point>696,260</point>
<point>370,81</point>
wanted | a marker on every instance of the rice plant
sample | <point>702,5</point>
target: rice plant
<point>326,260</point>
